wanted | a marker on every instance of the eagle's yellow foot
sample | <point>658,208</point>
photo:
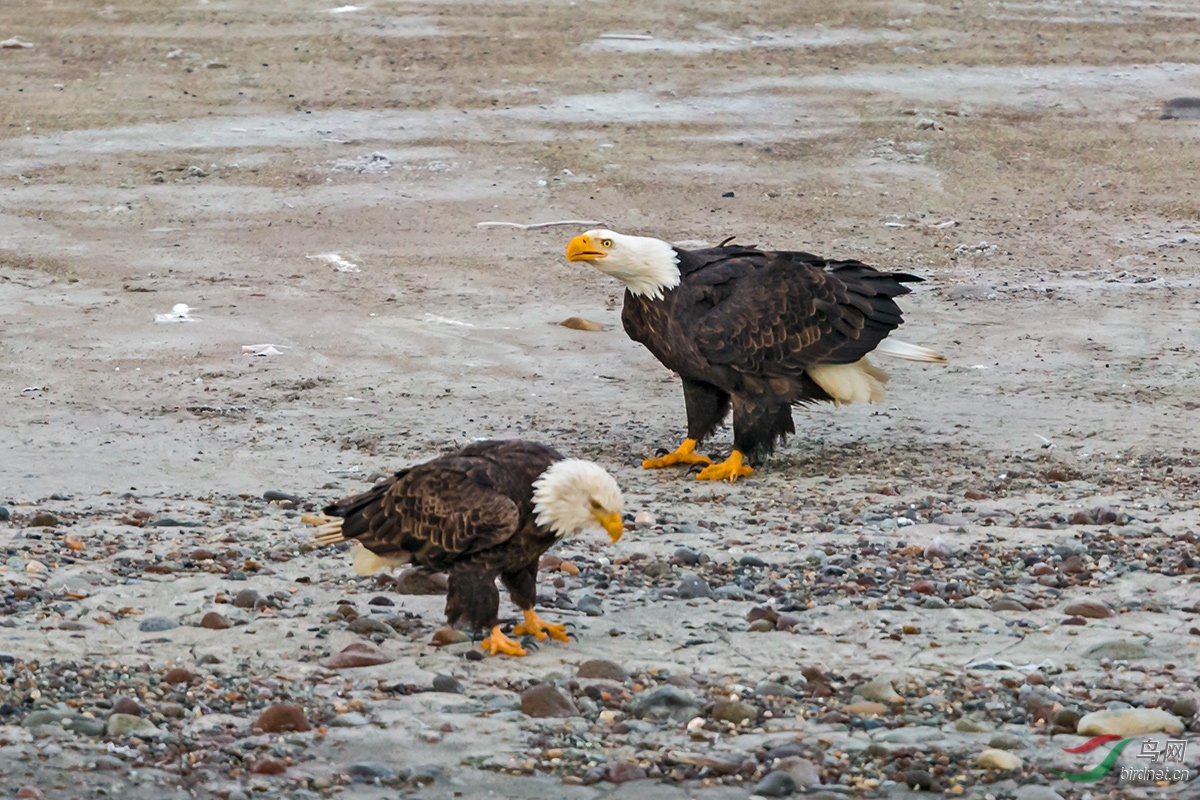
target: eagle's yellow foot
<point>497,643</point>
<point>731,469</point>
<point>536,626</point>
<point>684,455</point>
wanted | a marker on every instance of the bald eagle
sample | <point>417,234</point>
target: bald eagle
<point>488,510</point>
<point>759,330</point>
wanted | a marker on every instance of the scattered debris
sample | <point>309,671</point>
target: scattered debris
<point>14,44</point>
<point>373,164</point>
<point>341,264</point>
<point>263,349</point>
<point>180,312</point>
<point>446,321</point>
<point>343,9</point>
<point>536,225</point>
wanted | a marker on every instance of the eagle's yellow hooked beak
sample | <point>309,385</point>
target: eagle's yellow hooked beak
<point>613,524</point>
<point>582,248</point>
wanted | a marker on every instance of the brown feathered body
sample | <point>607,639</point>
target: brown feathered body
<point>469,514</point>
<point>744,327</point>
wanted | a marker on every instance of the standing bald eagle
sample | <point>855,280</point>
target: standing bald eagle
<point>489,510</point>
<point>761,330</point>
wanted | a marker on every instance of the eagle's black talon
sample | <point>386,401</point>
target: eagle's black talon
<point>661,451</point>
<point>530,642</point>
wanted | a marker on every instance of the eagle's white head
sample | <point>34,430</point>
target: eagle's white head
<point>573,494</point>
<point>647,266</point>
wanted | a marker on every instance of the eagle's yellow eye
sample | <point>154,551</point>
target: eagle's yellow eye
<point>606,242</point>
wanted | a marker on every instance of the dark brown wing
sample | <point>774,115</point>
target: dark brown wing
<point>437,511</point>
<point>783,312</point>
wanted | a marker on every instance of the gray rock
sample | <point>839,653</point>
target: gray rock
<point>693,586</point>
<point>803,771</point>
<point>953,520</point>
<point>47,716</point>
<point>1181,108</point>
<point>975,601</point>
<point>448,684</point>
<point>350,720</point>
<point>968,725</point>
<point>590,605</point>
<point>1005,741</point>
<point>776,784</point>
<point>546,700</point>
<point>5,514</point>
<point>1031,791</point>
<point>880,690</point>
<point>751,561</point>
<point>129,725</point>
<point>109,762</point>
<point>157,625</point>
<point>365,626</point>
<point>87,726</point>
<point>666,702</point>
<point>773,689</point>
<point>933,602</point>
<point>599,669</point>
<point>687,557</point>
<point>1117,650</point>
<point>369,772</point>
<point>732,592</point>
<point>246,598</point>
<point>734,711</point>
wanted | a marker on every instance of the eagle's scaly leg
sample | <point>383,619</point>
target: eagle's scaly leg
<point>536,626</point>
<point>731,469</point>
<point>497,643</point>
<point>684,455</point>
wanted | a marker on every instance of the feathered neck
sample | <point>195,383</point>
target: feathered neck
<point>573,494</point>
<point>647,266</point>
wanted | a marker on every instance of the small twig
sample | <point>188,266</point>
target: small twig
<point>535,225</point>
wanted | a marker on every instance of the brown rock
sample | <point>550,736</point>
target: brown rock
<point>1066,719</point>
<point>419,581</point>
<point>200,554</point>
<point>1008,604</point>
<point>246,598</point>
<point>1088,608</point>
<point>1035,679</point>
<point>448,636</point>
<point>974,494</point>
<point>43,519</point>
<point>866,708</point>
<point>786,622</point>
<point>734,711</point>
<point>28,793</point>
<point>1074,621</point>
<point>359,654</point>
<point>581,324</point>
<point>1057,476</point>
<point>545,700</point>
<point>624,772</point>
<point>125,705</point>
<point>281,718</point>
<point>268,766</point>
<point>924,587</point>
<point>178,675</point>
<point>215,621</point>
<point>602,670</point>
<point>758,612</point>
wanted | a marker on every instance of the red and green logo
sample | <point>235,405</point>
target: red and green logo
<point>1104,767</point>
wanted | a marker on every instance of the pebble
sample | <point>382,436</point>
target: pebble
<point>866,708</point>
<point>448,684</point>
<point>952,520</point>
<point>419,581</point>
<point>774,689</point>
<point>665,702</point>
<point>644,520</point>
<point>1032,791</point>
<point>1005,741</point>
<point>1117,650</point>
<point>735,711</point>
<point>775,784</point>
<point>1181,108</point>
<point>545,700</point>
<point>268,766</point>
<point>1088,608</point>
<point>624,772</point>
<point>5,514</point>
<point>28,793</point>
<point>1066,718</point>
<point>445,637</point>
<point>880,690</point>
<point>968,725</point>
<point>686,557</point>
<point>600,669</point>
<point>127,705</point>
<point>369,772</point>
<point>1003,760</point>
<point>157,625</point>
<point>351,719</point>
<point>216,621</point>
<point>275,496</point>
<point>48,716</point>
<point>88,726</point>
<point>130,725</point>
<point>751,561</point>
<point>692,587</point>
<point>590,605</point>
<point>366,626</point>
<point>1008,604</point>
<point>939,549</point>
<point>582,324</point>
<point>1129,722</point>
<point>358,654</point>
<point>43,519</point>
<point>1184,709</point>
<point>246,598</point>
<point>178,675</point>
<point>282,718</point>
<point>918,779</point>
<point>803,771</point>
<point>762,626</point>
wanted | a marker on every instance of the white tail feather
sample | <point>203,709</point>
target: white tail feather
<point>368,563</point>
<point>909,352</point>
<point>860,382</point>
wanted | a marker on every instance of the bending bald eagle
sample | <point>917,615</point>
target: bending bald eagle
<point>489,510</point>
<point>760,330</point>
